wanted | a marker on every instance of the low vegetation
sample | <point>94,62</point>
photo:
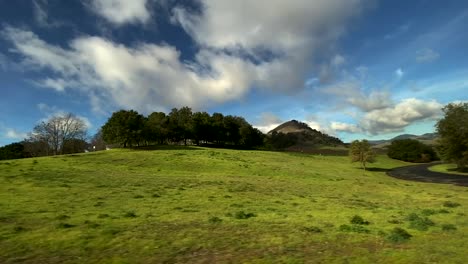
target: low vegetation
<point>411,150</point>
<point>202,205</point>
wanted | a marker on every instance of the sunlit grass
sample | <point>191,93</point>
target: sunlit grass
<point>447,168</point>
<point>202,205</point>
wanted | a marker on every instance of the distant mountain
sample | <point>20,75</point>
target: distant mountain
<point>298,136</point>
<point>427,138</point>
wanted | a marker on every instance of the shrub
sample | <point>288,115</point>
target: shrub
<point>449,227</point>
<point>354,228</point>
<point>130,214</point>
<point>65,225</point>
<point>358,220</point>
<point>398,235</point>
<point>313,229</point>
<point>215,220</point>
<point>411,150</point>
<point>419,223</point>
<point>243,215</point>
<point>451,204</point>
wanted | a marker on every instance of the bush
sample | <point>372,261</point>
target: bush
<point>449,227</point>
<point>358,220</point>
<point>215,220</point>
<point>243,215</point>
<point>451,204</point>
<point>312,229</point>
<point>419,223</point>
<point>354,228</point>
<point>130,214</point>
<point>411,150</point>
<point>398,235</point>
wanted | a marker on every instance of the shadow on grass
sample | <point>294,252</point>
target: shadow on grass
<point>378,169</point>
<point>165,147</point>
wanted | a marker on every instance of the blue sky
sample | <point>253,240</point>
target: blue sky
<point>351,68</point>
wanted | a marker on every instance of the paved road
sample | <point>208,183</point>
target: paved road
<point>422,174</point>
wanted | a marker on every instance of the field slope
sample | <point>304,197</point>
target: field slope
<point>198,205</point>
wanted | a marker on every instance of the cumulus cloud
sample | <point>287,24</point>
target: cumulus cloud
<point>122,11</point>
<point>352,93</point>
<point>426,55</point>
<point>14,134</point>
<point>345,127</point>
<point>239,48</point>
<point>267,122</point>
<point>397,117</point>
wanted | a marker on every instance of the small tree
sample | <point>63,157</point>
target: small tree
<point>453,132</point>
<point>360,151</point>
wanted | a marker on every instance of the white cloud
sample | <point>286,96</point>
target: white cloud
<point>345,127</point>
<point>351,92</point>
<point>149,76</point>
<point>396,118</point>
<point>426,55</point>
<point>267,122</point>
<point>14,134</point>
<point>122,11</point>
<point>41,15</point>
<point>399,73</point>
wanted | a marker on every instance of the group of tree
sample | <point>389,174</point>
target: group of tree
<point>453,135</point>
<point>60,134</point>
<point>128,128</point>
<point>411,150</point>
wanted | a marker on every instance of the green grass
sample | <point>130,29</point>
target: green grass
<point>198,205</point>
<point>447,168</point>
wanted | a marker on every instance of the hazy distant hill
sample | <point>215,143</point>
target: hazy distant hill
<point>428,138</point>
<point>298,136</point>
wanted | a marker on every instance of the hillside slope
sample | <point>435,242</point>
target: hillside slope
<point>199,205</point>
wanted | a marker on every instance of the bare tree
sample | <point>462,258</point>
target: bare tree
<point>58,130</point>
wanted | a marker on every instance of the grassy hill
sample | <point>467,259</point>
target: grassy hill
<point>199,205</point>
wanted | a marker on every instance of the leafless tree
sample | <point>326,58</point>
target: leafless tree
<point>58,130</point>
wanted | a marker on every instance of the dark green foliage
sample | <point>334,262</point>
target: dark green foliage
<point>12,151</point>
<point>411,150</point>
<point>451,204</point>
<point>215,220</point>
<point>65,225</point>
<point>448,227</point>
<point>398,235</point>
<point>124,128</point>
<point>419,223</point>
<point>354,228</point>
<point>312,229</point>
<point>358,220</point>
<point>453,132</point>
<point>243,215</point>
<point>130,214</point>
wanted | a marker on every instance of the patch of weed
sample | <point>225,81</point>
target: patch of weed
<point>448,227</point>
<point>130,214</point>
<point>215,220</point>
<point>358,220</point>
<point>62,217</point>
<point>19,229</point>
<point>103,216</point>
<point>451,204</point>
<point>419,223</point>
<point>398,235</point>
<point>354,228</point>
<point>138,196</point>
<point>312,229</point>
<point>65,225</point>
<point>243,215</point>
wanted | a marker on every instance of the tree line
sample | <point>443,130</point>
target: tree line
<point>128,128</point>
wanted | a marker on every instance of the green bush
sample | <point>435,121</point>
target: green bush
<point>243,215</point>
<point>451,204</point>
<point>419,223</point>
<point>411,150</point>
<point>449,227</point>
<point>358,220</point>
<point>398,235</point>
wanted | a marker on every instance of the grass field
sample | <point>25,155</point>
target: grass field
<point>447,168</point>
<point>199,205</point>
